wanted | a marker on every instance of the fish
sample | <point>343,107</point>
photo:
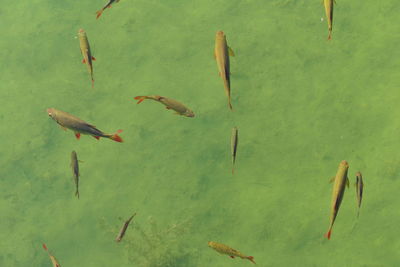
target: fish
<point>224,249</point>
<point>359,190</point>
<point>329,15</point>
<point>108,5</point>
<point>169,103</point>
<point>221,53</point>
<point>123,229</point>
<point>75,171</point>
<point>52,258</point>
<point>68,121</point>
<point>86,53</point>
<point>234,143</point>
<point>340,182</point>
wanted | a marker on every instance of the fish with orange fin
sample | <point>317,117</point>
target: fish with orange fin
<point>68,121</point>
<point>86,53</point>
<point>52,258</point>
<point>329,15</point>
<point>169,103</point>
<point>110,2</point>
<point>221,53</point>
<point>340,182</point>
<point>224,249</point>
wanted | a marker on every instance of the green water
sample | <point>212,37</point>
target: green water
<point>302,104</point>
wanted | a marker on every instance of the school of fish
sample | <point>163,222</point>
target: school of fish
<point>222,54</point>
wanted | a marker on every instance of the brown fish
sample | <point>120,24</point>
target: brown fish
<point>224,249</point>
<point>52,258</point>
<point>359,190</point>
<point>340,181</point>
<point>79,126</point>
<point>169,103</point>
<point>75,171</point>
<point>108,5</point>
<point>123,229</point>
<point>86,53</point>
<point>221,53</point>
<point>329,15</point>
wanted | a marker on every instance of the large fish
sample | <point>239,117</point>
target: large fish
<point>79,126</point>
<point>169,103</point>
<point>224,249</point>
<point>52,258</point>
<point>222,52</point>
<point>234,144</point>
<point>108,5</point>
<point>86,53</point>
<point>340,182</point>
<point>329,15</point>
<point>123,228</point>
<point>359,190</point>
<point>75,171</point>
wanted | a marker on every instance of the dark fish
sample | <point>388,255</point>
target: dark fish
<point>234,143</point>
<point>123,229</point>
<point>110,2</point>
<point>75,171</point>
<point>359,190</point>
<point>79,126</point>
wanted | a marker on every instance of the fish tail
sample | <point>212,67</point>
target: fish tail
<point>45,247</point>
<point>330,34</point>
<point>230,104</point>
<point>251,258</point>
<point>92,82</point>
<point>116,137</point>
<point>99,13</point>
<point>77,193</point>
<point>328,234</point>
<point>140,98</point>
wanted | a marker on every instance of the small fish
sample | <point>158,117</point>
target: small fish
<point>359,190</point>
<point>52,258</point>
<point>123,229</point>
<point>340,181</point>
<point>221,53</point>
<point>86,53</point>
<point>329,15</point>
<point>110,2</point>
<point>79,126</point>
<point>169,104</point>
<point>224,249</point>
<point>75,171</point>
<point>234,143</point>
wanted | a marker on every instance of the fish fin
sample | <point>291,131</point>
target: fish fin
<point>230,51</point>
<point>62,127</point>
<point>116,137</point>
<point>251,258</point>
<point>109,6</point>
<point>97,137</point>
<point>140,98</point>
<point>167,107</point>
<point>232,256</point>
<point>77,193</point>
<point>330,35</point>
<point>347,182</point>
<point>45,247</point>
<point>84,61</point>
<point>99,13</point>
<point>332,179</point>
<point>93,58</point>
<point>77,135</point>
<point>328,234</point>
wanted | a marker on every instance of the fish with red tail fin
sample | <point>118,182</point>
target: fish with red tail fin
<point>79,126</point>
<point>340,182</point>
<point>52,258</point>
<point>108,5</point>
<point>86,53</point>
<point>224,249</point>
<point>169,103</point>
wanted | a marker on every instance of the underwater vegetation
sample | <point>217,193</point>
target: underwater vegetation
<point>150,244</point>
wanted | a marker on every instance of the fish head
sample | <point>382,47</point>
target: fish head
<point>344,163</point>
<point>81,32</point>
<point>220,35</point>
<point>189,113</point>
<point>210,244</point>
<point>51,112</point>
